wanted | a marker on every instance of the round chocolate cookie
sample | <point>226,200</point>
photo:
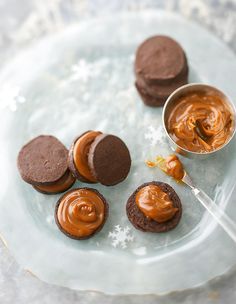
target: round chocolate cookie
<point>109,159</point>
<point>160,60</point>
<point>157,90</point>
<point>42,162</point>
<point>81,212</point>
<point>147,224</point>
<point>149,100</point>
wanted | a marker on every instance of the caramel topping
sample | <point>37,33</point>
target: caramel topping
<point>81,212</point>
<point>80,154</point>
<point>174,167</point>
<point>155,203</point>
<point>200,122</point>
<point>61,185</point>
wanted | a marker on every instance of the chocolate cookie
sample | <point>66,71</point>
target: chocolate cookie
<point>109,159</point>
<point>157,90</point>
<point>145,212</point>
<point>42,162</point>
<point>160,60</point>
<point>81,212</point>
<point>97,157</point>
<point>157,96</point>
<point>149,100</point>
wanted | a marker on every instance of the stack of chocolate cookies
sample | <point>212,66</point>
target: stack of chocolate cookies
<point>160,68</point>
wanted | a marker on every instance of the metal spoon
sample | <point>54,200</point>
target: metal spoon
<point>225,222</point>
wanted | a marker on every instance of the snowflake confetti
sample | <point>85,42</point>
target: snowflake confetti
<point>81,71</point>
<point>121,236</point>
<point>155,135</point>
<point>84,70</point>
<point>10,97</point>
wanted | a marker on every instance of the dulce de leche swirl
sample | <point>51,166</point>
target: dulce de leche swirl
<point>200,122</point>
<point>81,212</point>
<point>155,203</point>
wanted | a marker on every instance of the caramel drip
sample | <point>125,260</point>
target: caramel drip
<point>155,203</point>
<point>80,154</point>
<point>200,122</point>
<point>81,212</point>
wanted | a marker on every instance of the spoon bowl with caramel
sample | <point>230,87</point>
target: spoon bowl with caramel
<point>199,120</point>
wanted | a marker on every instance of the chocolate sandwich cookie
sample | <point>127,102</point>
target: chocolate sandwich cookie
<point>154,207</point>
<point>160,60</point>
<point>97,157</point>
<point>42,162</point>
<point>80,213</point>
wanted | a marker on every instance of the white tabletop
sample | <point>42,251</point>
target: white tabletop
<point>24,21</point>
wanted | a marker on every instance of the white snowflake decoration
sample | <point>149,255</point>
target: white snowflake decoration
<point>10,97</point>
<point>121,236</point>
<point>81,71</point>
<point>155,135</point>
<point>84,70</point>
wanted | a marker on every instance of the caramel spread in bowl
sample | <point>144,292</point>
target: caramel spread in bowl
<point>155,203</point>
<point>200,122</point>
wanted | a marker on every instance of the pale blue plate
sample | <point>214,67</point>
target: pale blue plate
<point>83,79</point>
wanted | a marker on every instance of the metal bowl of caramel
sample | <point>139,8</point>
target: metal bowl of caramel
<point>199,120</point>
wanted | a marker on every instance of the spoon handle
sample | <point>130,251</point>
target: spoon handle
<point>223,219</point>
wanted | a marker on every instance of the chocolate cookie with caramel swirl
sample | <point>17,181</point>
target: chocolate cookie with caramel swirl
<point>81,212</point>
<point>154,207</point>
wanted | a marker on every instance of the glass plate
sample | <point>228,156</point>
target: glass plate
<point>81,79</point>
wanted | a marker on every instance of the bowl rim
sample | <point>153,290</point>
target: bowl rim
<point>227,99</point>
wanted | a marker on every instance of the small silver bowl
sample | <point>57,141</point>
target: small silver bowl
<point>188,88</point>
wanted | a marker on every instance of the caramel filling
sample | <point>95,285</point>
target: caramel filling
<point>61,185</point>
<point>81,212</point>
<point>80,154</point>
<point>155,203</point>
<point>200,122</point>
